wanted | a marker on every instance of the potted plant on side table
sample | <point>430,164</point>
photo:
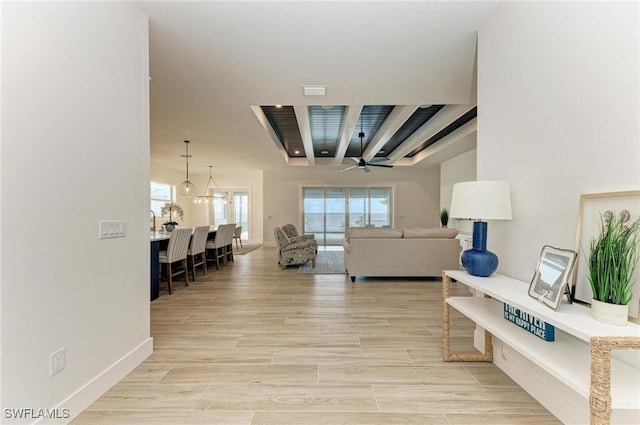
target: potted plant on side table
<point>613,258</point>
<point>444,217</point>
<point>171,208</point>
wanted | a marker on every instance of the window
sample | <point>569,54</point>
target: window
<point>325,210</point>
<point>161,193</point>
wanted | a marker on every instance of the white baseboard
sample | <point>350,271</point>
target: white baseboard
<point>92,390</point>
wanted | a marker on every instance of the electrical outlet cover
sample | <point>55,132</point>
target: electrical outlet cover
<point>57,361</point>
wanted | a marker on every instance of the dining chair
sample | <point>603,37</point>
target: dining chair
<point>176,253</point>
<point>237,235</point>
<point>217,246</point>
<point>228,242</point>
<point>196,251</point>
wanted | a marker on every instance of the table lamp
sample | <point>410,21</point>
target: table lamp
<point>480,200</point>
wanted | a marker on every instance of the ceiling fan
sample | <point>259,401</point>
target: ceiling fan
<point>361,163</point>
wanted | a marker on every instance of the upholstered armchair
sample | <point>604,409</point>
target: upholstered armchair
<point>291,253</point>
<point>292,233</point>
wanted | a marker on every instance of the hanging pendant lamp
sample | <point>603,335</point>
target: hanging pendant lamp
<point>187,188</point>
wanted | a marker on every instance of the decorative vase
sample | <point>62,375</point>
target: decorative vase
<point>477,260</point>
<point>170,227</point>
<point>613,314</point>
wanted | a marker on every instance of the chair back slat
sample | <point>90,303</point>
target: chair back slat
<point>178,244</point>
<point>199,240</point>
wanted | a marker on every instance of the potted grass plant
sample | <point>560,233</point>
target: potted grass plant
<point>171,208</point>
<point>444,217</point>
<point>613,258</point>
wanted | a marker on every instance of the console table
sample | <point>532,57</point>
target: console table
<point>607,387</point>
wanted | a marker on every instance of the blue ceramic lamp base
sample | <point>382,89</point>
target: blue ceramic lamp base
<point>478,261</point>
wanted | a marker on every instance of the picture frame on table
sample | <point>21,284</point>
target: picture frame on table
<point>592,205</point>
<point>551,279</point>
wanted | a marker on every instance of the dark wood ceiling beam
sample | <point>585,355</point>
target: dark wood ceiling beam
<point>394,121</point>
<point>454,140</point>
<point>443,118</point>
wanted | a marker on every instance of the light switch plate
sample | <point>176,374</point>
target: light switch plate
<point>108,229</point>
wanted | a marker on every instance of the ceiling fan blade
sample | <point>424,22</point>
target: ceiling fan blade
<point>355,159</point>
<point>378,159</point>
<point>349,168</point>
<point>381,165</point>
<point>366,169</point>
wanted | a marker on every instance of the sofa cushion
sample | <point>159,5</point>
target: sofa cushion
<point>373,233</point>
<point>433,233</point>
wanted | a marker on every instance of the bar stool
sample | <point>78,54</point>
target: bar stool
<point>176,252</point>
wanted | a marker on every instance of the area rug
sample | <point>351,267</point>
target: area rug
<point>247,248</point>
<point>327,262</point>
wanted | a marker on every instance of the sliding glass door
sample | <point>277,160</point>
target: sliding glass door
<point>327,210</point>
<point>335,216</point>
<point>313,212</point>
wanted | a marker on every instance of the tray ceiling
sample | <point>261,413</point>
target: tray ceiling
<point>331,133</point>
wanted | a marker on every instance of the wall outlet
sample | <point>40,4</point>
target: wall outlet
<point>57,361</point>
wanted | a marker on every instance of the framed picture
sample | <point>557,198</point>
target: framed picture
<point>591,207</point>
<point>551,279</point>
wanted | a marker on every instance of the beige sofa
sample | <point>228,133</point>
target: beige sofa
<point>406,252</point>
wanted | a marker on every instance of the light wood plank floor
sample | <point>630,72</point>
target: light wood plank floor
<point>251,344</point>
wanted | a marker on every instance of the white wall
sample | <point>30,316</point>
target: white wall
<point>1,182</point>
<point>462,168</point>
<point>417,193</point>
<point>558,96</point>
<point>198,214</point>
<point>74,150</point>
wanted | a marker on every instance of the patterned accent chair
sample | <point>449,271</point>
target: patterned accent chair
<point>292,233</point>
<point>292,253</point>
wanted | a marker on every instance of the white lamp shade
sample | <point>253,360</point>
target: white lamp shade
<point>481,200</point>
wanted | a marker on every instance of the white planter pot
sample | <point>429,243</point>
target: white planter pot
<point>612,314</point>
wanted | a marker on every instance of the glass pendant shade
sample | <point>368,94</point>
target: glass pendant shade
<point>187,188</point>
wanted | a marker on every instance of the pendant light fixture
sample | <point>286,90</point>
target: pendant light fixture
<point>216,197</point>
<point>186,188</point>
